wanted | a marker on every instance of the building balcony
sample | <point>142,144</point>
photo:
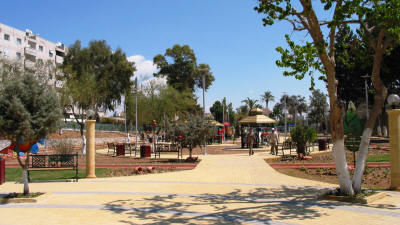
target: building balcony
<point>30,51</point>
<point>59,59</point>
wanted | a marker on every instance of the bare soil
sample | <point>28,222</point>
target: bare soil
<point>325,157</point>
<point>376,178</point>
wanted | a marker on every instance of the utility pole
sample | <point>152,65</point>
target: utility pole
<point>223,119</point>
<point>126,130</point>
<point>366,94</point>
<point>204,110</point>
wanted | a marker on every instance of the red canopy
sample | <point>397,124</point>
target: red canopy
<point>227,124</point>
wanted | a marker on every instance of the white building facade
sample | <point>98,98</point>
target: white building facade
<point>28,47</point>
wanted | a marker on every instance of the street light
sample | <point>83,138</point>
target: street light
<point>284,110</point>
<point>136,116</point>
<point>366,94</point>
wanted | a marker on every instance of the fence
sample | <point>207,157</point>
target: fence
<point>100,126</point>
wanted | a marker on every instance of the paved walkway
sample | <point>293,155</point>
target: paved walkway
<point>223,189</point>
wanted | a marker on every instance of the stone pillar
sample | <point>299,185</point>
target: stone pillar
<point>90,149</point>
<point>394,138</point>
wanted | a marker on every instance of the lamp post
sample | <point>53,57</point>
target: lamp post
<point>284,111</point>
<point>136,116</point>
<point>366,94</point>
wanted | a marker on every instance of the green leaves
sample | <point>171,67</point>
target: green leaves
<point>179,65</point>
<point>276,9</point>
<point>301,59</point>
<point>96,77</point>
<point>29,109</point>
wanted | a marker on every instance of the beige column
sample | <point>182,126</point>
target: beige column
<point>394,138</point>
<point>90,149</point>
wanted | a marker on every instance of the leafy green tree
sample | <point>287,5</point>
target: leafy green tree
<point>161,103</point>
<point>379,21</point>
<point>29,111</point>
<point>94,79</point>
<point>318,106</point>
<point>190,132</point>
<point>179,65</point>
<point>301,135</point>
<point>267,97</point>
<point>217,108</point>
<point>216,111</point>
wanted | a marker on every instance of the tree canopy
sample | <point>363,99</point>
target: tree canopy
<point>179,66</point>
<point>94,78</point>
<point>267,97</point>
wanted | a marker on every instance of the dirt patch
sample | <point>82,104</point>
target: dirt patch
<point>324,157</point>
<point>378,177</point>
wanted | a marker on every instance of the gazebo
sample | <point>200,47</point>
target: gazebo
<point>255,119</point>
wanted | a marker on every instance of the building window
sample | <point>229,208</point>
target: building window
<point>19,55</point>
<point>40,48</point>
<point>50,54</point>
<point>6,37</point>
<point>19,41</point>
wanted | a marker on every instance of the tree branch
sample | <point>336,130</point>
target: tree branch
<point>332,32</point>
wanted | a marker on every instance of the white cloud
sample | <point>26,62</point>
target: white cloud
<point>145,69</point>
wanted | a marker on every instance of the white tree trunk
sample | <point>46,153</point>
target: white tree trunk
<point>379,130</point>
<point>362,156</point>
<point>384,131</point>
<point>342,171</point>
<point>25,180</point>
<point>83,145</point>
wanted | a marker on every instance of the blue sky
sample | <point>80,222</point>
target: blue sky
<point>226,34</point>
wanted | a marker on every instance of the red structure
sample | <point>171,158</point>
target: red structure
<point>2,171</point>
<point>145,151</point>
<point>120,149</point>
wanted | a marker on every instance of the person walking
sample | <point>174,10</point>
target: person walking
<point>250,140</point>
<point>273,140</point>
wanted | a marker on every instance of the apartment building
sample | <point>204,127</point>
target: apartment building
<point>29,47</point>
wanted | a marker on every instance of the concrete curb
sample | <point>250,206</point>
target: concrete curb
<point>24,200</point>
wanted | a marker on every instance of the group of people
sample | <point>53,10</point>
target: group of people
<point>273,141</point>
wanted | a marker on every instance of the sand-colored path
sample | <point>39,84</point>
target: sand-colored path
<point>223,189</point>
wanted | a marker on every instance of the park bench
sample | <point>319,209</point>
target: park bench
<point>292,145</point>
<point>285,146</point>
<point>53,162</point>
<point>164,147</point>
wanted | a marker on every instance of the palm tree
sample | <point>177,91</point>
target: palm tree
<point>251,103</point>
<point>267,97</point>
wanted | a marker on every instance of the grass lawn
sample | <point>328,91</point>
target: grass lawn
<point>379,158</point>
<point>15,174</point>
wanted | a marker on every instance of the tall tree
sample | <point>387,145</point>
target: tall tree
<point>29,111</point>
<point>250,103</point>
<point>267,97</point>
<point>216,111</point>
<point>179,66</point>
<point>94,78</point>
<point>161,103</point>
<point>318,106</point>
<point>378,20</point>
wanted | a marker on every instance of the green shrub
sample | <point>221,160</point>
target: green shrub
<point>301,135</point>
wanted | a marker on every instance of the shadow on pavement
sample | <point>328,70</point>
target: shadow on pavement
<point>261,205</point>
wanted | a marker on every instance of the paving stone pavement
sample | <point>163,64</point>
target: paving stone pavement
<point>222,189</point>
